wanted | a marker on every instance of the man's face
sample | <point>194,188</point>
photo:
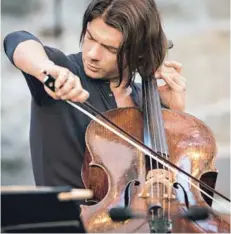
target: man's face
<point>100,47</point>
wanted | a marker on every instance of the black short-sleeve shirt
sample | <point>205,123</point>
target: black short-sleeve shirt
<point>57,130</point>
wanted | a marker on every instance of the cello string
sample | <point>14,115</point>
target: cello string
<point>167,158</point>
<point>155,110</point>
<point>162,141</point>
<point>148,124</point>
<point>158,125</point>
<point>154,138</point>
<point>149,152</point>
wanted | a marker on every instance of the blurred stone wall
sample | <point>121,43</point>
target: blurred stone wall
<point>200,32</point>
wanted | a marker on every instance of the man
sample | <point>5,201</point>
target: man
<point>119,38</point>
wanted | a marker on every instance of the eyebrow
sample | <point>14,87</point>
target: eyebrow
<point>107,46</point>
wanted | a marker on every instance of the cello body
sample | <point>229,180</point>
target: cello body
<point>117,174</point>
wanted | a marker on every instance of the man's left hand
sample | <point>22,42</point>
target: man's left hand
<point>173,93</point>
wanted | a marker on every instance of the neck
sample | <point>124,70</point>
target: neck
<point>115,81</point>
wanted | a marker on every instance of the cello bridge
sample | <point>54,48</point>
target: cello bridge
<point>158,183</point>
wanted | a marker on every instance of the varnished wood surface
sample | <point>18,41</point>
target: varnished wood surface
<point>191,146</point>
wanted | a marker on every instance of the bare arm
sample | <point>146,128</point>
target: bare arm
<point>30,57</point>
<point>28,54</point>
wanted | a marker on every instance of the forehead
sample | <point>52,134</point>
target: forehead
<point>104,33</point>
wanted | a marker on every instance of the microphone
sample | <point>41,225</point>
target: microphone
<point>118,214</point>
<point>194,213</point>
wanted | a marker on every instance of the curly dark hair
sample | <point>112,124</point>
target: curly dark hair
<point>144,43</point>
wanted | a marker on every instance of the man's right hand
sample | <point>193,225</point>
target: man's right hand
<point>67,85</point>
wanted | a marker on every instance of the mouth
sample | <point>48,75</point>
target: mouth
<point>92,68</point>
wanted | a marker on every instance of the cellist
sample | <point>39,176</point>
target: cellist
<point>119,37</point>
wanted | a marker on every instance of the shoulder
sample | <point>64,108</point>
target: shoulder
<point>76,58</point>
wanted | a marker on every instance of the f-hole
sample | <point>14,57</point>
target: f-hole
<point>210,179</point>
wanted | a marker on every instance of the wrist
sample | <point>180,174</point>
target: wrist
<point>43,66</point>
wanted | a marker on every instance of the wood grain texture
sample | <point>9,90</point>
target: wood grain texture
<point>116,164</point>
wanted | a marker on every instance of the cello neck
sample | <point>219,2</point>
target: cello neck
<point>154,133</point>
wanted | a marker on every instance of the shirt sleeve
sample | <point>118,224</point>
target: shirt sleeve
<point>12,40</point>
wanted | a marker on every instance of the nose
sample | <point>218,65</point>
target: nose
<point>95,53</point>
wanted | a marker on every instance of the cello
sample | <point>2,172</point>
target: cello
<point>122,176</point>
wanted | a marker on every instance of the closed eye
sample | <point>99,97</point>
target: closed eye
<point>112,50</point>
<point>90,37</point>
<point>109,48</point>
